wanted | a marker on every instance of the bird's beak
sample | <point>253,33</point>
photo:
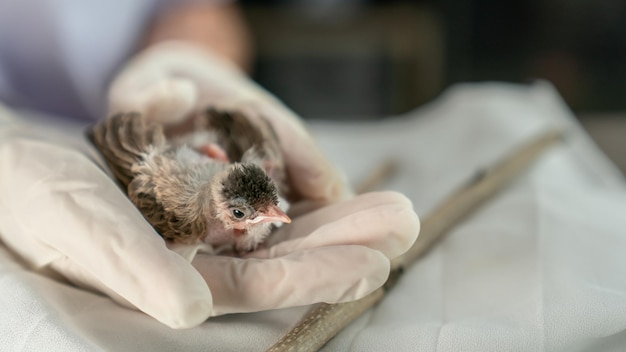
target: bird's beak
<point>272,214</point>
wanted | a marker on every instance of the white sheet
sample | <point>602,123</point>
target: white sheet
<point>541,267</point>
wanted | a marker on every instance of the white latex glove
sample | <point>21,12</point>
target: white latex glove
<point>61,213</point>
<point>335,254</point>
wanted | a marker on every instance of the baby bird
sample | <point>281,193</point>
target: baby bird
<point>194,193</point>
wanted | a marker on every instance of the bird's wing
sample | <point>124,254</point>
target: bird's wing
<point>172,188</point>
<point>123,140</point>
<point>160,179</point>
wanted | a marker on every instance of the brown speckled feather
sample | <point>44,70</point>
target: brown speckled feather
<point>156,182</point>
<point>170,197</point>
<point>123,140</point>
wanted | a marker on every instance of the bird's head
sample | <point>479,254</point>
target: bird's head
<point>247,204</point>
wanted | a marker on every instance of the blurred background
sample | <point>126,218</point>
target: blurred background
<point>367,59</point>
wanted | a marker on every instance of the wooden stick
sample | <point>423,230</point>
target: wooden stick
<point>323,321</point>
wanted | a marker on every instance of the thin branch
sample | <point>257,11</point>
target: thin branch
<point>323,321</point>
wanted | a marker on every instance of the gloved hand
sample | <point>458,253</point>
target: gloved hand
<point>171,81</point>
<point>62,214</point>
<point>335,254</point>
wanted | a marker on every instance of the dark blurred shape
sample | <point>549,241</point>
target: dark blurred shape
<point>359,59</point>
<point>346,60</point>
<point>580,46</point>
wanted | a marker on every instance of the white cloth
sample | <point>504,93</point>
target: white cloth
<point>540,267</point>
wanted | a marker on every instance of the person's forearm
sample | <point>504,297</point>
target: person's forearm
<point>220,28</point>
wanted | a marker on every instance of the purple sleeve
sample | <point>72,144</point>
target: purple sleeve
<point>59,58</point>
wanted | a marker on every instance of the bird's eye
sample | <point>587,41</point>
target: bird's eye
<point>238,213</point>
